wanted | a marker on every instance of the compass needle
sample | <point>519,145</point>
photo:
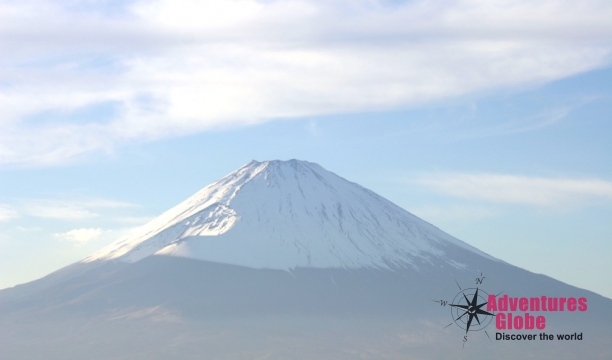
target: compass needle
<point>482,312</point>
<point>481,305</point>
<point>471,302</point>
<point>469,323</point>
<point>475,298</point>
<point>466,299</point>
<point>461,316</point>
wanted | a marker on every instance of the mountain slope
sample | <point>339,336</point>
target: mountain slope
<point>283,215</point>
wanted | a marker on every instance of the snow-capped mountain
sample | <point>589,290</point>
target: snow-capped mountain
<point>283,215</point>
<point>283,260</point>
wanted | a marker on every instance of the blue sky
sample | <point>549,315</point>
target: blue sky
<point>491,121</point>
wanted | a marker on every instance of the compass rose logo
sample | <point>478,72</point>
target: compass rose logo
<point>467,306</point>
<point>467,309</point>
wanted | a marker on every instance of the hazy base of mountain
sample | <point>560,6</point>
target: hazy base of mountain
<point>166,307</point>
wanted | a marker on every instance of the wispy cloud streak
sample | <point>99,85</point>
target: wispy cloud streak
<point>60,209</point>
<point>519,189</point>
<point>79,236</point>
<point>7,212</point>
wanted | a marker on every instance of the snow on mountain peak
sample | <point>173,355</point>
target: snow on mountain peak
<point>283,215</point>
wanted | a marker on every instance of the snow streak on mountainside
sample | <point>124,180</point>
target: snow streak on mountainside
<point>288,214</point>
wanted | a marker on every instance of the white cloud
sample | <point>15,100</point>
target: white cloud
<point>59,211</point>
<point>104,203</point>
<point>28,229</point>
<point>439,214</point>
<point>7,213</point>
<point>68,209</point>
<point>519,125</point>
<point>80,236</point>
<point>182,66</point>
<point>519,189</point>
<point>134,220</point>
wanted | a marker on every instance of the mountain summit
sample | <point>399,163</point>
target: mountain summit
<point>284,215</point>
